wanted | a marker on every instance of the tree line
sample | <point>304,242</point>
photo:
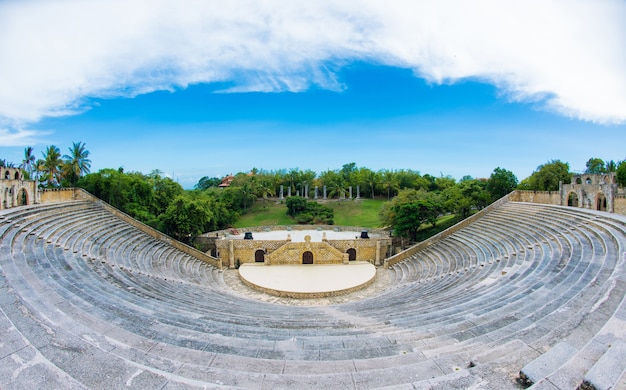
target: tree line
<point>54,169</point>
<point>412,199</point>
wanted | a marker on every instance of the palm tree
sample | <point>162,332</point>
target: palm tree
<point>389,180</point>
<point>370,178</point>
<point>28,164</point>
<point>265,188</point>
<point>611,166</point>
<point>51,167</point>
<point>77,163</point>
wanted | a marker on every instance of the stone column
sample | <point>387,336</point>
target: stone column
<point>289,191</point>
<point>358,192</point>
<point>377,253</point>
<point>315,196</point>
<point>324,192</point>
<point>281,192</point>
<point>231,256</point>
<point>350,192</point>
<point>306,191</point>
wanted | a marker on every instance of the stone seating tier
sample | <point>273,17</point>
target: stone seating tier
<point>87,300</point>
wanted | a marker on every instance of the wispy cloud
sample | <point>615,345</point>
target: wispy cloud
<point>10,137</point>
<point>568,56</point>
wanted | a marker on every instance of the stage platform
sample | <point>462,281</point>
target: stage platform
<point>308,281</point>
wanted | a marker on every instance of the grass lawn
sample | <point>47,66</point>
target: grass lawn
<point>361,213</point>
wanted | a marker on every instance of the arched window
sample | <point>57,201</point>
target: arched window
<point>351,254</point>
<point>259,256</point>
<point>17,175</point>
<point>579,181</point>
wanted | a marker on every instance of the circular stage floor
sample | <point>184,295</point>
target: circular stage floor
<point>308,281</point>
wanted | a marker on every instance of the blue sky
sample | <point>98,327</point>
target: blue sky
<point>210,90</point>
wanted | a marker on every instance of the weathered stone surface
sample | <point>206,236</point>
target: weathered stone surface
<point>547,363</point>
<point>607,371</point>
<point>89,301</point>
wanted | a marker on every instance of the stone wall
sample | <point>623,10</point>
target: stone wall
<point>53,195</point>
<point>544,197</point>
<point>619,205</point>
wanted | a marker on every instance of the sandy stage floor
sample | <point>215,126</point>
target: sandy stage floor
<point>310,278</point>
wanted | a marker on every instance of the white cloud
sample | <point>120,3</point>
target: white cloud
<point>10,137</point>
<point>567,54</point>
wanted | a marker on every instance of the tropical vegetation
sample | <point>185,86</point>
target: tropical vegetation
<point>406,201</point>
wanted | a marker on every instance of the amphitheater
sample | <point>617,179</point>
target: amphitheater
<point>522,294</point>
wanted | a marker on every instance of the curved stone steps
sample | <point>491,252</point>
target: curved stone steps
<point>529,284</point>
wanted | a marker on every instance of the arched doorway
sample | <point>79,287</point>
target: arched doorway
<point>259,256</point>
<point>572,199</point>
<point>601,202</point>
<point>22,197</point>
<point>307,257</point>
<point>351,254</point>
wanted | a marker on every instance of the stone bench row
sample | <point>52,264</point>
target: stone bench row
<point>560,274</point>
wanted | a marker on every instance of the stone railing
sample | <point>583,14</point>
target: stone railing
<point>151,231</point>
<point>405,254</point>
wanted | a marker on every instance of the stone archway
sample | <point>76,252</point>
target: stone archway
<point>351,254</point>
<point>307,257</point>
<point>259,256</point>
<point>600,202</point>
<point>572,199</point>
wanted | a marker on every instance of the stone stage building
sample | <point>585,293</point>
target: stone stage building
<point>275,245</point>
<point>15,190</point>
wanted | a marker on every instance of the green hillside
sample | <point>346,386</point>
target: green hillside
<point>362,213</point>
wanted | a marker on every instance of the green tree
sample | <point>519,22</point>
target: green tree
<point>410,195</point>
<point>389,181</point>
<point>265,188</point>
<point>28,163</point>
<point>206,183</point>
<point>595,165</point>
<point>408,217</point>
<point>621,174</point>
<point>77,163</point>
<point>368,180</point>
<point>547,177</point>
<point>501,182</point>
<point>611,166</point>
<point>51,166</point>
<point>186,218</point>
<point>295,205</point>
<point>456,201</point>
